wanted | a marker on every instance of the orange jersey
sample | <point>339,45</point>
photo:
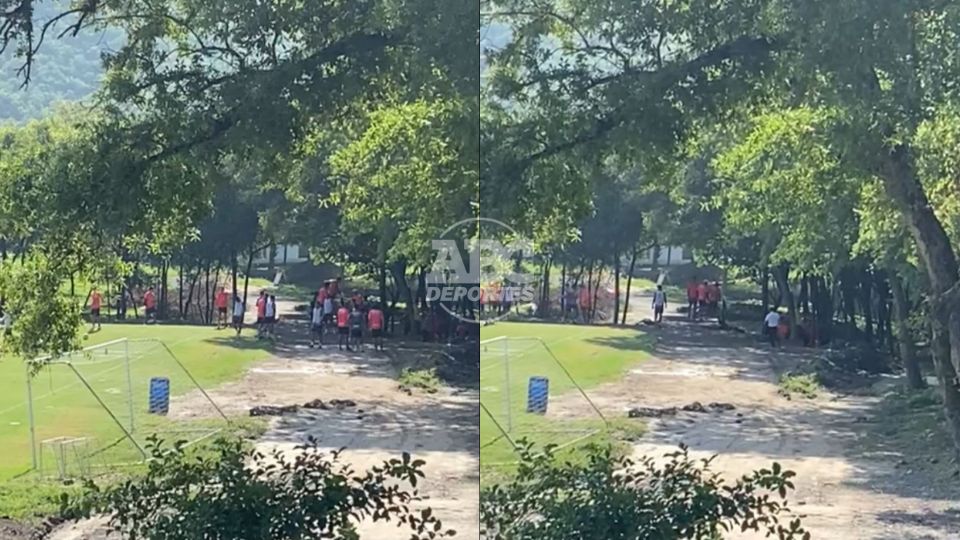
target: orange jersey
<point>150,300</point>
<point>702,293</point>
<point>343,317</point>
<point>261,307</point>
<point>95,300</point>
<point>375,319</point>
<point>585,297</point>
<point>221,302</point>
<point>692,291</point>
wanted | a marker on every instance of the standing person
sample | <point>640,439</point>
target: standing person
<point>584,303</point>
<point>334,287</point>
<point>238,312</point>
<point>375,323</point>
<point>96,301</point>
<point>659,304</point>
<point>221,304</point>
<point>270,316</point>
<point>261,313</point>
<point>316,326</point>
<point>570,302</point>
<point>356,328</point>
<point>702,299</point>
<point>343,327</point>
<point>692,299</point>
<point>770,327</point>
<point>328,312</point>
<point>713,300</point>
<point>150,305</point>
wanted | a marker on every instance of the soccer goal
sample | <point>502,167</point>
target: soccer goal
<point>527,394</point>
<point>97,408</point>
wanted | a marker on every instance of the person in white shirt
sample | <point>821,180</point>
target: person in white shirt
<point>659,304</point>
<point>271,315</point>
<point>316,326</point>
<point>770,324</point>
<point>238,311</point>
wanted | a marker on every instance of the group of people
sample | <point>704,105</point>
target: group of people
<point>497,298</point>
<point>580,302</point>
<point>704,300</point>
<point>95,304</point>
<point>777,329</point>
<point>351,320</point>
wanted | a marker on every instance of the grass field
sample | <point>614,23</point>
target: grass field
<point>63,407</point>
<point>592,355</point>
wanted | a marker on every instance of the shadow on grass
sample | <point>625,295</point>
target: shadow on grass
<point>640,342</point>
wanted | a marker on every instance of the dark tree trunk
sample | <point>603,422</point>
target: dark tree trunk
<point>183,313</point>
<point>596,292</point>
<point>543,310</point>
<point>563,290</point>
<point>866,303</point>
<point>382,283</point>
<point>805,295</point>
<point>246,275</point>
<point>626,298</point>
<point>234,264</point>
<point>765,288</point>
<point>616,286</point>
<point>908,352</point>
<point>399,271</point>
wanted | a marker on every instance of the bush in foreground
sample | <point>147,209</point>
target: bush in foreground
<point>235,493</point>
<point>608,498</point>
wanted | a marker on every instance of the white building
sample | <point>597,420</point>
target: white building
<point>282,253</point>
<point>668,256</point>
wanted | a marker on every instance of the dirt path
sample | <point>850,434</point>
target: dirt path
<point>840,494</point>
<point>441,429</point>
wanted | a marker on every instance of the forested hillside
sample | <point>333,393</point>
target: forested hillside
<point>66,69</point>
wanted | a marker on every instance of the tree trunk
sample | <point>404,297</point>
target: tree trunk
<point>947,377</point>
<point>234,263</point>
<point>765,288</point>
<point>180,294</point>
<point>616,286</point>
<point>908,352</point>
<point>399,270</point>
<point>543,310</point>
<point>246,275</point>
<point>626,298</point>
<point>563,290</point>
<point>596,292</point>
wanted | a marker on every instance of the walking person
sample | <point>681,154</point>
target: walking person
<point>356,328</point>
<point>375,323</point>
<point>96,301</point>
<point>659,304</point>
<point>150,306</point>
<point>771,324</point>
<point>261,314</point>
<point>343,327</point>
<point>702,300</point>
<point>238,312</point>
<point>692,299</point>
<point>270,316</point>
<point>220,302</point>
<point>316,326</point>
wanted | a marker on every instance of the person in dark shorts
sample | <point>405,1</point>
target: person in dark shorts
<point>659,304</point>
<point>316,326</point>
<point>221,302</point>
<point>375,321</point>
<point>150,305</point>
<point>96,301</point>
<point>238,311</point>
<point>356,328</point>
<point>343,327</point>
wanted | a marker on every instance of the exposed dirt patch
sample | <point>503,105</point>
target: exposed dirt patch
<point>845,491</point>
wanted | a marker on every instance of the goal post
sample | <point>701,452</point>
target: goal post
<point>97,404</point>
<point>528,394</point>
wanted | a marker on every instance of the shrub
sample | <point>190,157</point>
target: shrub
<point>803,384</point>
<point>424,380</point>
<point>235,493</point>
<point>608,497</point>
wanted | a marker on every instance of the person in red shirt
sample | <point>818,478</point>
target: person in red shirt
<point>150,305</point>
<point>343,325</point>
<point>261,313</point>
<point>585,303</point>
<point>702,299</point>
<point>221,305</point>
<point>96,301</point>
<point>375,324</point>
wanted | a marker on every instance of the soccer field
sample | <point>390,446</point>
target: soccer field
<point>63,407</point>
<point>583,356</point>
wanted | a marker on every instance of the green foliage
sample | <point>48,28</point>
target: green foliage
<point>608,497</point>
<point>805,385</point>
<point>424,380</point>
<point>237,493</point>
